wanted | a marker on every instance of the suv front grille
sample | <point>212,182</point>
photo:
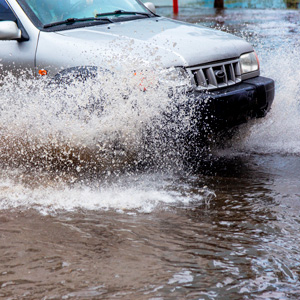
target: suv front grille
<point>214,76</point>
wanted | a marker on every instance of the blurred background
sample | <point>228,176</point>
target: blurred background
<point>232,3</point>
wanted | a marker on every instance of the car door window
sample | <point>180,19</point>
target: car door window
<point>6,13</point>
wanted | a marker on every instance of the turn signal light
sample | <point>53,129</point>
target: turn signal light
<point>43,72</point>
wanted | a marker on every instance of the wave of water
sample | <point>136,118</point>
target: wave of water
<point>141,193</point>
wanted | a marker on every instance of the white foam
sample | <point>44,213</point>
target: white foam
<point>128,195</point>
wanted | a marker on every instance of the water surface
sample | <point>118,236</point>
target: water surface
<point>79,219</point>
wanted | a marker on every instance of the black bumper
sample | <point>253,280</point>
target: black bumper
<point>232,106</point>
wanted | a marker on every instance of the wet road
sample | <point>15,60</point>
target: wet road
<point>226,230</point>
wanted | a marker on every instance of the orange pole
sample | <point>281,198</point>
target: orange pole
<point>175,7</point>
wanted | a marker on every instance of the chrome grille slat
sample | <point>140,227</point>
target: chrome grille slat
<point>232,73</point>
<point>218,75</point>
<point>226,75</point>
<point>211,77</point>
<point>200,78</point>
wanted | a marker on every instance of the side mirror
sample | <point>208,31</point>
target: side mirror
<point>9,31</point>
<point>150,6</point>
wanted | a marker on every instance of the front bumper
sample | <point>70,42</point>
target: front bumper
<point>229,107</point>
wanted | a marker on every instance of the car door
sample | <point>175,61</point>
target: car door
<point>16,56</point>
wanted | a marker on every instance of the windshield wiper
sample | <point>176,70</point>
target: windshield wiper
<point>74,20</point>
<point>123,12</point>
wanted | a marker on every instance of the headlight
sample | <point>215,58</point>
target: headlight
<point>249,62</point>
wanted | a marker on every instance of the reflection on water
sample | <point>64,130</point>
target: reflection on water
<point>226,229</point>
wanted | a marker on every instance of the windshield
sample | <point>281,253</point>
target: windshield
<point>50,11</point>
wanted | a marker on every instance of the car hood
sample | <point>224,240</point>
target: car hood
<point>158,41</point>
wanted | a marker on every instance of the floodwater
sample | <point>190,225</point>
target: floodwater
<point>81,219</point>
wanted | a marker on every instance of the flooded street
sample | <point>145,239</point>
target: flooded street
<point>225,226</point>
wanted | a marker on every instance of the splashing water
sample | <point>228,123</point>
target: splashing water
<point>278,132</point>
<point>98,123</point>
<point>238,241</point>
<point>57,140</point>
<point>68,132</point>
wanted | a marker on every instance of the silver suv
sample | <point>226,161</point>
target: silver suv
<point>55,37</point>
